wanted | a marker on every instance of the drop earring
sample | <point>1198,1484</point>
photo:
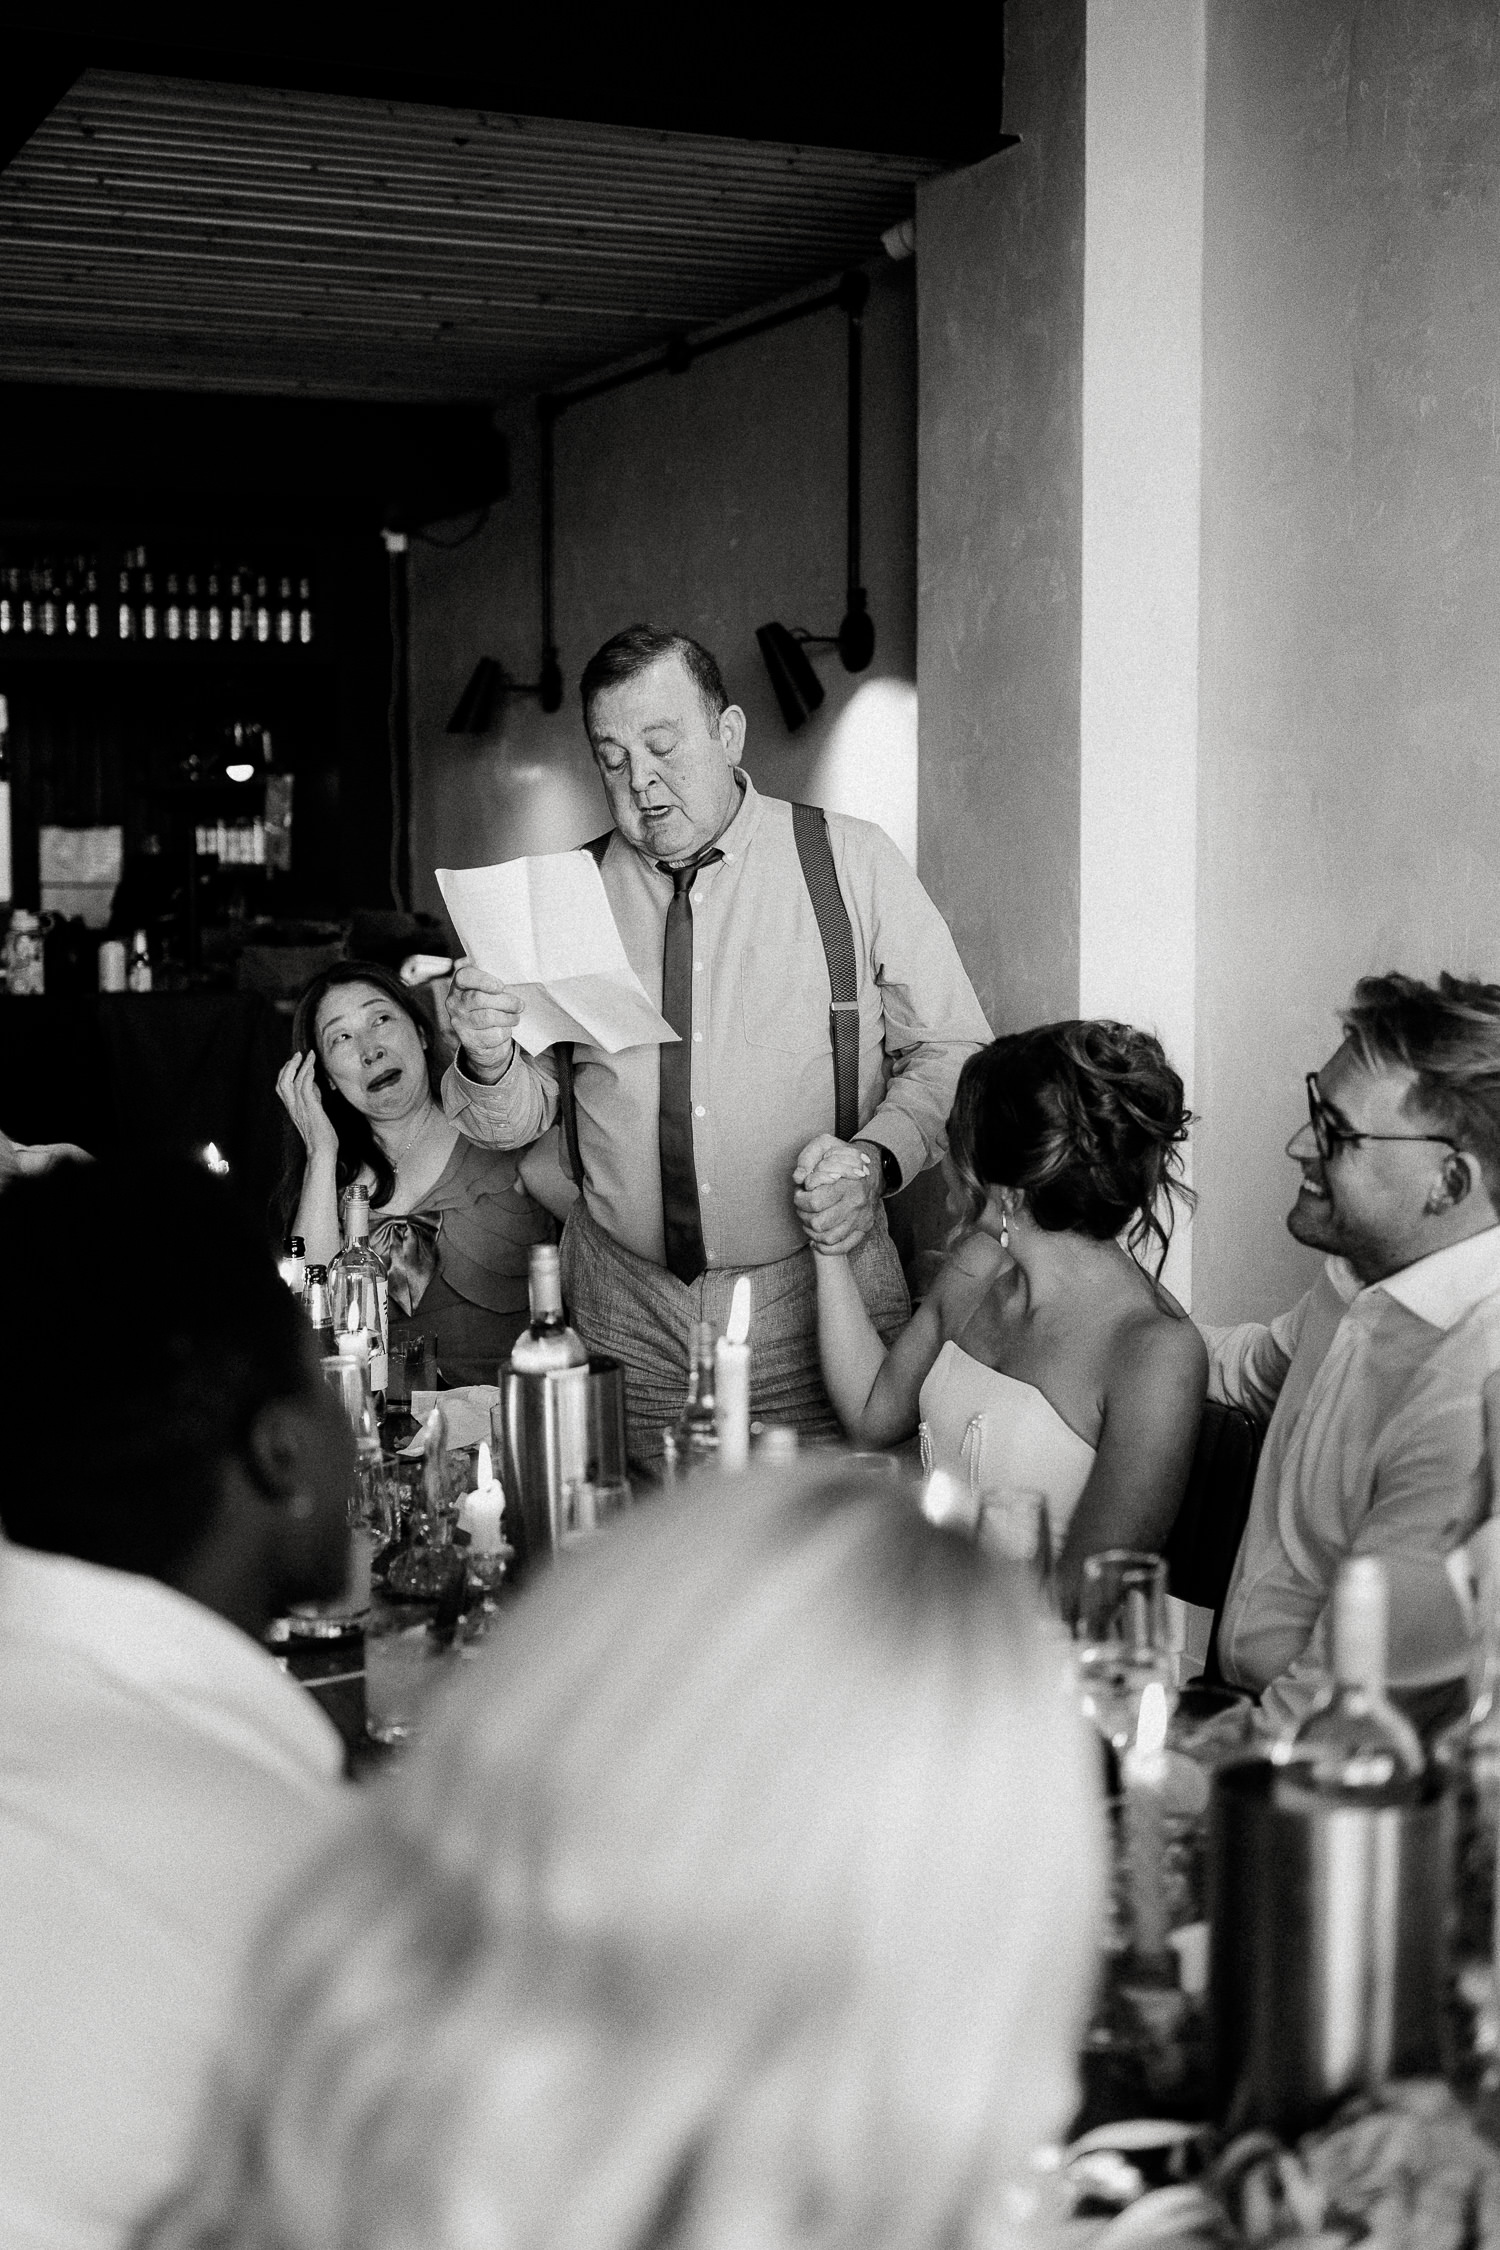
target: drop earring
<point>1004,1226</point>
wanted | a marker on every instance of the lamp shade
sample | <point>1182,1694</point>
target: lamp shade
<point>482,701</point>
<point>799,691</point>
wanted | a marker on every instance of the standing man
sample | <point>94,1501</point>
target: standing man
<point>689,1150</point>
<point>1373,1382</point>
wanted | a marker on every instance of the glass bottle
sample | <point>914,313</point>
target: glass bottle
<point>138,964</point>
<point>549,1342</point>
<point>262,611</point>
<point>174,608</point>
<point>360,1276</point>
<point>9,605</point>
<point>192,615</point>
<point>127,605</point>
<point>285,621</point>
<point>214,612</point>
<point>1354,1746</point>
<point>91,601</point>
<point>49,604</point>
<point>315,1305</point>
<point>28,602</point>
<point>292,1265</point>
<point>236,607</point>
<point>1468,1756</point>
<point>72,620</point>
<point>148,602</point>
<point>695,1434</point>
<point>304,611</point>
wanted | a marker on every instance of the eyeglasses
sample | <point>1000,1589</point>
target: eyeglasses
<point>1331,1134</point>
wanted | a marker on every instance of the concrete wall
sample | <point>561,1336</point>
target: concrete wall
<point>1349,782</point>
<point>1000,288</point>
<point>713,501</point>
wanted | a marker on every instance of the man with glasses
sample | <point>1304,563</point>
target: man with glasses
<point>1373,1383</point>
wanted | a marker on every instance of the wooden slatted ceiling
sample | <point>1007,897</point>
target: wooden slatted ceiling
<point>168,232</point>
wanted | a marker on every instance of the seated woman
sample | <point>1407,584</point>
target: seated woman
<point>1045,1358</point>
<point>747,1892</point>
<point>454,1220</point>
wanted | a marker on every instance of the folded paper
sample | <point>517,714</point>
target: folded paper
<point>543,926</point>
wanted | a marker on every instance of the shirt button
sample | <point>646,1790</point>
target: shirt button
<point>700,1111</point>
<point>698,968</point>
<point>698,1038</point>
<point>705,1187</point>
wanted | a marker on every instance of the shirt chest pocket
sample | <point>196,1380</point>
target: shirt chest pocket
<point>784,1001</point>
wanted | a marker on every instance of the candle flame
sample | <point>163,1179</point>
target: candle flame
<point>738,1331</point>
<point>354,1323</point>
<point>1151,1725</point>
<point>214,1158</point>
<point>485,1468</point>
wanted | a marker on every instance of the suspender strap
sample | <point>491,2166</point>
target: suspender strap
<point>567,1100</point>
<point>810,828</point>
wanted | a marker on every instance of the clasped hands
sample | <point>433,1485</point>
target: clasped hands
<point>837,1193</point>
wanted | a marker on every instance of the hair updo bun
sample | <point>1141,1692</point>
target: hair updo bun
<point>1087,1119</point>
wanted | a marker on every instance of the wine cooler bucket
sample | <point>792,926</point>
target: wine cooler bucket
<point>560,1439</point>
<point>1328,1947</point>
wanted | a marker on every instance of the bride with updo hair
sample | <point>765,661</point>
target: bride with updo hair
<point>1047,1357</point>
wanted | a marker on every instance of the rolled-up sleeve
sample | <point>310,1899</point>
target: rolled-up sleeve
<point>1247,1364</point>
<point>509,1114</point>
<point>932,1018</point>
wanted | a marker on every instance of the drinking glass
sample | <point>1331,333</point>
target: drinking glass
<point>1014,1524</point>
<point>406,1658</point>
<point>1122,1640</point>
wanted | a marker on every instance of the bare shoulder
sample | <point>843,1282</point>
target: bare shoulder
<point>1156,1342</point>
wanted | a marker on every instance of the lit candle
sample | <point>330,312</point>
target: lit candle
<point>732,1381</point>
<point>213,1160</point>
<point>1144,1773</point>
<point>354,1343</point>
<point>483,1508</point>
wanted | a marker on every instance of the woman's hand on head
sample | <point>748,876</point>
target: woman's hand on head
<point>297,1090</point>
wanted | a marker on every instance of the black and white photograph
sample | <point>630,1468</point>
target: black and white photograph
<point>750,1128</point>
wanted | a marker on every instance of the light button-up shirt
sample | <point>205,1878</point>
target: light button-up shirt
<point>1375,1446</point>
<point>762,1063</point>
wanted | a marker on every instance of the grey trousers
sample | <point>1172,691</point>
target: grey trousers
<point>643,1316</point>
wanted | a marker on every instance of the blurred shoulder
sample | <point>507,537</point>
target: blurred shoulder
<point>1156,1342</point>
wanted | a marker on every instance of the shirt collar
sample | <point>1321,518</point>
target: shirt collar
<point>1445,1285</point>
<point>154,1640</point>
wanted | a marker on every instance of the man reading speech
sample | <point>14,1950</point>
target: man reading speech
<point>698,1157</point>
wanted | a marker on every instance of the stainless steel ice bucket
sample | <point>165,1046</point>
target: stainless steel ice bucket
<point>559,1438</point>
<point>1328,1947</point>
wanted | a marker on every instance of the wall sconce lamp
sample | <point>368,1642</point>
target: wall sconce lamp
<point>483,700</point>
<point>783,648</point>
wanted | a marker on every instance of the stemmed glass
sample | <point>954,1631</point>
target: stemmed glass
<point>1122,1641</point>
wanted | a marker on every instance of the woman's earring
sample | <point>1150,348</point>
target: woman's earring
<point>1004,1226</point>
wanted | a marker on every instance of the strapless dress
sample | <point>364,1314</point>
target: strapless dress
<point>993,1435</point>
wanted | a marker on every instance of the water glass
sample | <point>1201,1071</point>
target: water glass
<point>1122,1641</point>
<point>405,1660</point>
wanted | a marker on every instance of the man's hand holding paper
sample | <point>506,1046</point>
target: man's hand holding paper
<point>545,962</point>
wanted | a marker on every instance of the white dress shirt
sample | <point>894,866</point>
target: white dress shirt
<point>160,1778</point>
<point>1375,1446</point>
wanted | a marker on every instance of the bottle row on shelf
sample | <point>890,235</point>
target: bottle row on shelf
<point>75,598</point>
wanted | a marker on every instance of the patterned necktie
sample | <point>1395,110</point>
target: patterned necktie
<point>679,1173</point>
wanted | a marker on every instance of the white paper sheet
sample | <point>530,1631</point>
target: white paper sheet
<point>543,926</point>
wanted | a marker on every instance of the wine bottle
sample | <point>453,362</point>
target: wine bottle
<point>359,1275</point>
<point>319,1313</point>
<point>138,966</point>
<point>695,1434</point>
<point>549,1342</point>
<point>1354,1746</point>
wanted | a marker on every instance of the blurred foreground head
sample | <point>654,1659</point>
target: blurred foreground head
<point>745,1895</point>
<point>167,1413</point>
